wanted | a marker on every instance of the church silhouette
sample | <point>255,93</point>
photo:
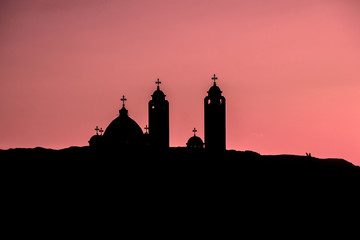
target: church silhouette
<point>123,133</point>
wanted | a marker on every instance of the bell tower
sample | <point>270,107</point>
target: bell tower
<point>214,111</point>
<point>159,119</point>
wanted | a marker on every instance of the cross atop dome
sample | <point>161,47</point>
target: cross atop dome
<point>194,131</point>
<point>158,83</point>
<point>97,129</point>
<point>123,99</point>
<point>214,78</point>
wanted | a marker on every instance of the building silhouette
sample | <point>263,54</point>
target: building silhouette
<point>214,116</point>
<point>159,119</point>
<point>96,140</point>
<point>123,133</point>
<point>195,142</point>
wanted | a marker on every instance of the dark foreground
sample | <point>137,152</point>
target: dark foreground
<point>176,164</point>
<point>174,193</point>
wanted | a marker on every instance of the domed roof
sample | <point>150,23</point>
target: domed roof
<point>123,132</point>
<point>95,139</point>
<point>214,90</point>
<point>195,142</point>
<point>158,94</point>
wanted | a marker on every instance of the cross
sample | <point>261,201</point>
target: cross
<point>97,129</point>
<point>123,99</point>
<point>101,131</point>
<point>146,128</point>
<point>194,131</point>
<point>158,83</point>
<point>214,78</point>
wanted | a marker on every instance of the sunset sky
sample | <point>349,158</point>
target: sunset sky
<point>290,70</point>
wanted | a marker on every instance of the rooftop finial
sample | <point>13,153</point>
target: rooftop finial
<point>123,99</point>
<point>158,83</point>
<point>146,129</point>
<point>214,78</point>
<point>96,130</point>
<point>194,131</point>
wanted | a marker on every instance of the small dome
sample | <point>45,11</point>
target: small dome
<point>195,142</point>
<point>158,95</point>
<point>123,132</point>
<point>215,90</point>
<point>95,141</point>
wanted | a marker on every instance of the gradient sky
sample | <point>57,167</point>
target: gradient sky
<point>290,70</point>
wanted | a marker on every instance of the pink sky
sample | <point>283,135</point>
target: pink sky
<point>290,70</point>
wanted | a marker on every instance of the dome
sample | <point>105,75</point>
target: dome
<point>95,141</point>
<point>158,95</point>
<point>123,132</point>
<point>215,90</point>
<point>195,142</point>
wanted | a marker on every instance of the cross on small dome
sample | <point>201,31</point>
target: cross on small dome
<point>97,129</point>
<point>194,131</point>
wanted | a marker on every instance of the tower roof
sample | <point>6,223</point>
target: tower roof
<point>158,94</point>
<point>214,89</point>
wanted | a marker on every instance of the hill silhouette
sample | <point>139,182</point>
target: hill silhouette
<point>180,160</point>
<point>80,186</point>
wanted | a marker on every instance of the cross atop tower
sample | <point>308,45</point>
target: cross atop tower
<point>123,99</point>
<point>101,131</point>
<point>194,131</point>
<point>214,78</point>
<point>146,129</point>
<point>158,83</point>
